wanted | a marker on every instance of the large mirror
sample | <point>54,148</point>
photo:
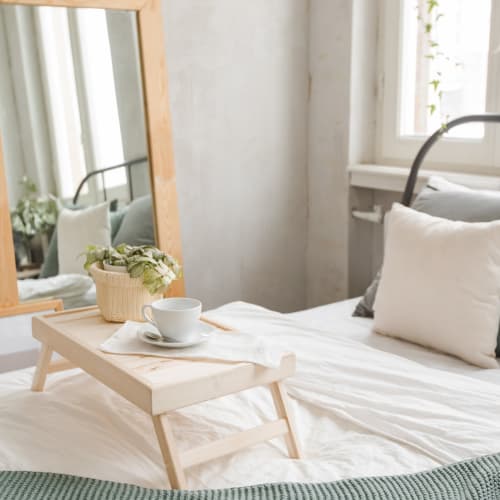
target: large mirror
<point>75,148</point>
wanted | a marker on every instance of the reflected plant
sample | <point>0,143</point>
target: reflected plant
<point>33,214</point>
<point>156,268</point>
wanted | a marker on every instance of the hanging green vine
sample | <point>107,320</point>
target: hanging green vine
<point>429,21</point>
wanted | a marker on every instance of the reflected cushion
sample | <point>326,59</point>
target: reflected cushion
<point>137,227</point>
<point>50,265</point>
<point>75,230</point>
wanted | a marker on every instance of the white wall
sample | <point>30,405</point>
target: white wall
<point>122,31</point>
<point>330,61</point>
<point>269,100</point>
<point>342,63</point>
<point>362,117</point>
<point>238,74</point>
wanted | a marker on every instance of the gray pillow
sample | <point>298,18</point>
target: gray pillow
<point>449,201</point>
<point>137,227</point>
<point>364,308</point>
<point>50,266</point>
<point>466,206</point>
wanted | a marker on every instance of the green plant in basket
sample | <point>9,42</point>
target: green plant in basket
<point>156,268</point>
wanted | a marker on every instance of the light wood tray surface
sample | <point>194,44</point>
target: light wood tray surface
<point>154,384</point>
<point>160,385</point>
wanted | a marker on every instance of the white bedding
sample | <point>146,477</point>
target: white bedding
<point>18,349</point>
<point>360,411</point>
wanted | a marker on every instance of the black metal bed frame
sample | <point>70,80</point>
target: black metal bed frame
<point>417,162</point>
<point>410,183</point>
<point>102,171</point>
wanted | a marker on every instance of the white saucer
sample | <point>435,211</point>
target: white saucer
<point>204,332</point>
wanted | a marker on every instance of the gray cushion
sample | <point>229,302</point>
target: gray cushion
<point>467,206</point>
<point>364,308</point>
<point>50,266</point>
<point>137,227</point>
<point>457,203</point>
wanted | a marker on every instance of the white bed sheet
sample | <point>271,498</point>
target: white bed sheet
<point>358,412</point>
<point>339,316</point>
<point>18,349</point>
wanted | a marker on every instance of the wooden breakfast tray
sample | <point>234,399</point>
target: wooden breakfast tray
<point>160,385</point>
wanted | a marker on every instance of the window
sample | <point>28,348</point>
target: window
<point>100,93</point>
<point>437,65</point>
<point>62,99</point>
<point>81,95</point>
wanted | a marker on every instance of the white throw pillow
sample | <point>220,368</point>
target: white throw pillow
<point>75,230</point>
<point>440,284</point>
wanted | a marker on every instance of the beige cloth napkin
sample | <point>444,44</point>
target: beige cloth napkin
<point>222,346</point>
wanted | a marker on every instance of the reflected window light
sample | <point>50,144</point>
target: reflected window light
<point>99,84</point>
<point>81,96</point>
<point>62,99</point>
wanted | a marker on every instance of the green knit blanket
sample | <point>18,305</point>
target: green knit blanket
<point>476,479</point>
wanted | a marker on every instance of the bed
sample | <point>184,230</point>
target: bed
<point>354,424</point>
<point>364,404</point>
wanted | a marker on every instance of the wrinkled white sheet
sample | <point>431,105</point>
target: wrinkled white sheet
<point>360,411</point>
<point>443,415</point>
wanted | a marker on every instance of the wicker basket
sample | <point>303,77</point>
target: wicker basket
<point>120,297</point>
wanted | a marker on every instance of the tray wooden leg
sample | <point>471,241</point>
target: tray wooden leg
<point>168,447</point>
<point>42,368</point>
<point>280,398</point>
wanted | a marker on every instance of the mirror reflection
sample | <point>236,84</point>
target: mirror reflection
<point>74,143</point>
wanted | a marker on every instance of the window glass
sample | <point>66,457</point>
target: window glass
<point>81,87</point>
<point>62,99</point>
<point>97,66</point>
<point>444,65</point>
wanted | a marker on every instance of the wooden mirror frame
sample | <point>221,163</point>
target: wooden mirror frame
<point>160,148</point>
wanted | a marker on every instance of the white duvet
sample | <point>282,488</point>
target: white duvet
<point>360,411</point>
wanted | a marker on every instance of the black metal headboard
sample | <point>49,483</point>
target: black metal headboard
<point>412,178</point>
<point>102,171</point>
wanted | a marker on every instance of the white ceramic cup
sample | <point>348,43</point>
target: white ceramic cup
<point>175,317</point>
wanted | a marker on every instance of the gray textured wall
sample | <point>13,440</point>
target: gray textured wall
<point>271,100</point>
<point>238,75</point>
<point>343,54</point>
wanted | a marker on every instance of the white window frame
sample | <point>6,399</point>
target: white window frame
<point>478,156</point>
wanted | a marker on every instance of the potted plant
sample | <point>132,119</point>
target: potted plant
<point>127,277</point>
<point>33,216</point>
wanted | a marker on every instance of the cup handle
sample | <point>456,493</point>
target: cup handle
<point>146,317</point>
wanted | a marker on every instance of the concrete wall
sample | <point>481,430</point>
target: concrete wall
<point>238,74</point>
<point>271,100</point>
<point>362,125</point>
<point>122,32</point>
<point>330,61</point>
<point>343,50</point>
